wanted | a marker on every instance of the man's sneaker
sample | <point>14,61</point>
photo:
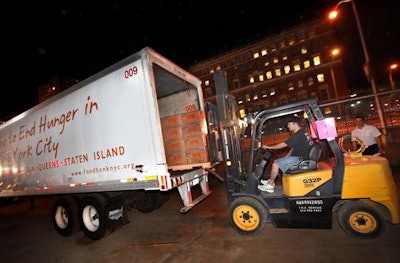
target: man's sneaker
<point>264,182</point>
<point>267,188</point>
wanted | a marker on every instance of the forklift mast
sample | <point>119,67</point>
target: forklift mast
<point>230,134</point>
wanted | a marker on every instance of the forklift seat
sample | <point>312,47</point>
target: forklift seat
<point>307,165</point>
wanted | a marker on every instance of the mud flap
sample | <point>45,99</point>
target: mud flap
<point>117,215</point>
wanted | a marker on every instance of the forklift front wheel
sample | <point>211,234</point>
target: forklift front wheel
<point>247,215</point>
<point>361,220</point>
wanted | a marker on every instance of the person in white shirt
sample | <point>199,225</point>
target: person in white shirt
<point>369,135</point>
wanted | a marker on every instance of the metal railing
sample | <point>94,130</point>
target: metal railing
<point>345,111</point>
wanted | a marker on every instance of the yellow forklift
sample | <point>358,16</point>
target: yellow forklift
<point>359,188</point>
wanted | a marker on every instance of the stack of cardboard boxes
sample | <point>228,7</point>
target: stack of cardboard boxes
<point>184,139</point>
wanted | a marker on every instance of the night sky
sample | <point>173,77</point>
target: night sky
<point>79,38</point>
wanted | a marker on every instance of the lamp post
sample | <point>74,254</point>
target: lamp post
<point>366,66</point>
<point>334,52</point>
<point>392,83</point>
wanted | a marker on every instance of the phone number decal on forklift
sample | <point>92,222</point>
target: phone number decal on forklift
<point>310,206</point>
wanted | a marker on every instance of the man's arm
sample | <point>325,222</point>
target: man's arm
<point>278,146</point>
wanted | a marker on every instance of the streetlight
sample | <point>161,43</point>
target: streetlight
<point>368,71</point>
<point>392,83</point>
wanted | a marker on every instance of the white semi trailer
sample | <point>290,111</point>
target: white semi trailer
<point>118,138</point>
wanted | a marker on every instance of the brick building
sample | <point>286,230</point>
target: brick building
<point>291,65</point>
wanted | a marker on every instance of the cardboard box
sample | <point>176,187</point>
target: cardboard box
<point>171,121</point>
<point>174,146</point>
<point>191,129</point>
<point>191,117</point>
<point>197,156</point>
<point>176,158</point>
<point>172,133</point>
<point>195,143</point>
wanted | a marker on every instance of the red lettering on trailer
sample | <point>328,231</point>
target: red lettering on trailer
<point>130,72</point>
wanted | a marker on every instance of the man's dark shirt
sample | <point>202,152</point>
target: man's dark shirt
<point>301,143</point>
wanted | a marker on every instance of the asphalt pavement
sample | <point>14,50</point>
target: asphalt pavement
<point>201,235</point>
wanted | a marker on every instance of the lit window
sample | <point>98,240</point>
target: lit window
<point>268,75</point>
<point>211,71</point>
<point>263,93</point>
<point>247,97</point>
<point>264,52</point>
<point>207,82</point>
<point>218,68</point>
<point>272,91</point>
<point>317,60</point>
<point>283,44</point>
<point>320,78</point>
<point>296,67</point>
<point>240,100</point>
<point>251,79</point>
<point>290,86</point>
<point>310,81</point>
<point>306,64</point>
<point>266,63</point>
<point>278,72</point>
<point>286,69</point>
<point>261,77</point>
<point>275,60</point>
<point>291,41</point>
<point>242,113</point>
<point>303,50</point>
<point>255,96</point>
<point>284,57</point>
<point>256,55</point>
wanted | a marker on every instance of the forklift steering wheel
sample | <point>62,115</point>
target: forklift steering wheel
<point>268,154</point>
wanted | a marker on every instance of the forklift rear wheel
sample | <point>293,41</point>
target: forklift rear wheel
<point>247,215</point>
<point>361,220</point>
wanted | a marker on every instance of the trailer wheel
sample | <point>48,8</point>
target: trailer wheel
<point>247,215</point>
<point>93,216</point>
<point>147,201</point>
<point>361,220</point>
<point>65,215</point>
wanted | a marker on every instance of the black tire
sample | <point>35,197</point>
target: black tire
<point>247,215</point>
<point>361,220</point>
<point>147,201</point>
<point>94,216</point>
<point>65,215</point>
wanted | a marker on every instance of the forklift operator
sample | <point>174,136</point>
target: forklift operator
<point>299,143</point>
